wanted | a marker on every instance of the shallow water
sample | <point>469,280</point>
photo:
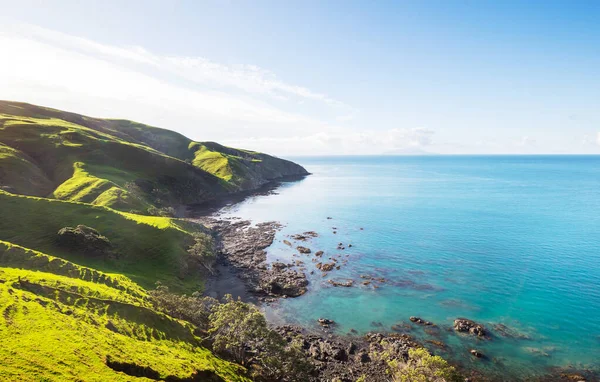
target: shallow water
<point>506,239</point>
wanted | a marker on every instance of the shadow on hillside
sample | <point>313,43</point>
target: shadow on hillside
<point>213,206</point>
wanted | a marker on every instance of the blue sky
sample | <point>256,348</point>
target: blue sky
<point>316,77</point>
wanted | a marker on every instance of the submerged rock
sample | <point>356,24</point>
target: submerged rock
<point>325,322</point>
<point>347,283</point>
<point>420,321</point>
<point>476,353</point>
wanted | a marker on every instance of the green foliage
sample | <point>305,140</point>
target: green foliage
<point>150,248</point>
<point>421,366</point>
<point>239,331</point>
<point>51,153</point>
<point>203,251</point>
<point>195,308</point>
<point>59,328</point>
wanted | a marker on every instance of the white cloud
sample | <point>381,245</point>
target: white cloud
<point>598,138</point>
<point>392,141</point>
<point>249,78</point>
<point>237,105</point>
<point>70,73</point>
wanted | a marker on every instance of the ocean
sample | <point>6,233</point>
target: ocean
<point>502,240</point>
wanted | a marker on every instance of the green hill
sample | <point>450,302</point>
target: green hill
<point>145,248</point>
<point>84,234</point>
<point>61,321</point>
<point>121,164</point>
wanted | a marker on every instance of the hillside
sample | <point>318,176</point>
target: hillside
<point>61,321</point>
<point>87,234</point>
<point>121,164</point>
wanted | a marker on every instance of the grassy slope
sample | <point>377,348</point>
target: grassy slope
<point>73,157</point>
<point>149,248</point>
<point>63,169</point>
<point>61,321</point>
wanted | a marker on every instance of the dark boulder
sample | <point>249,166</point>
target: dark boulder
<point>464,325</point>
<point>302,249</point>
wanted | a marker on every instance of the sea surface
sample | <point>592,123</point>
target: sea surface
<point>512,240</point>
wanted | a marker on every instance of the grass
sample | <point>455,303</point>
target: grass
<point>148,248</point>
<point>64,313</point>
<point>56,328</point>
<point>72,157</point>
<point>213,162</point>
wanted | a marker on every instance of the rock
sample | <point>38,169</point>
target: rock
<point>349,245</point>
<point>334,232</point>
<point>464,325</point>
<point>279,265</point>
<point>507,332</point>
<point>401,327</point>
<point>325,322</point>
<point>327,267</point>
<point>476,353</point>
<point>437,343</point>
<point>287,283</point>
<point>319,253</point>
<point>303,250</point>
<point>366,282</point>
<point>363,357</point>
<point>329,218</point>
<point>420,321</point>
<point>311,234</point>
<point>347,283</point>
<point>573,377</point>
<point>287,243</point>
<point>351,348</point>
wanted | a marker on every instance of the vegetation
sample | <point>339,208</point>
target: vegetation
<point>146,248</point>
<point>420,366</point>
<point>239,332</point>
<point>87,325</point>
<point>120,164</point>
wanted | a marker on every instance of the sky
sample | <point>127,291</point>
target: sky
<point>319,77</point>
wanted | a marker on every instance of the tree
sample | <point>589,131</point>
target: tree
<point>202,251</point>
<point>239,330</point>
<point>195,308</point>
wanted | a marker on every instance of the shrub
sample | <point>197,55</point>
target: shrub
<point>202,251</point>
<point>239,330</point>
<point>421,366</point>
<point>85,239</point>
<point>195,308</point>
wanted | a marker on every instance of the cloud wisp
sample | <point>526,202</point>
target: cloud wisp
<point>240,105</point>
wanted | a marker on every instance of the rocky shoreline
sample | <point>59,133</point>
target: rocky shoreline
<point>243,271</point>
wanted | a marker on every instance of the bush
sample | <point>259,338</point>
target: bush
<point>240,332</point>
<point>195,308</point>
<point>85,239</point>
<point>202,251</point>
<point>421,366</point>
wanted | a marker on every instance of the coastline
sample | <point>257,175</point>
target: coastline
<point>243,269</point>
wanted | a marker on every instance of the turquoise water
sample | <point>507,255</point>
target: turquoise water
<point>504,239</point>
